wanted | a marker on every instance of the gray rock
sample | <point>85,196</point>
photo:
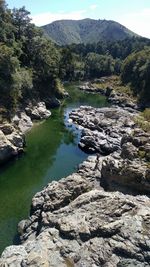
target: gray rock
<point>129,151</point>
<point>7,128</point>
<point>102,128</point>
<point>7,149</point>
<point>17,139</point>
<point>38,112</point>
<point>22,121</point>
<point>93,228</point>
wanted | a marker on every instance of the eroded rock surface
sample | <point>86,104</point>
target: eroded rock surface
<point>113,133</point>
<point>103,128</point>
<point>74,222</point>
<point>38,112</point>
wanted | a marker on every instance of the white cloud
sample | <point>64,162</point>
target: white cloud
<point>138,22</point>
<point>48,17</point>
<point>93,7</point>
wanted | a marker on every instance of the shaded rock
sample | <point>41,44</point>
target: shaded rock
<point>7,128</point>
<point>131,175</point>
<point>129,151</point>
<point>22,121</point>
<point>7,149</point>
<point>38,112</point>
<point>17,139</point>
<point>52,102</point>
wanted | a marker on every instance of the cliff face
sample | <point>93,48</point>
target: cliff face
<point>75,222</point>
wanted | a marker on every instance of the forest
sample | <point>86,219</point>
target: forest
<point>33,67</point>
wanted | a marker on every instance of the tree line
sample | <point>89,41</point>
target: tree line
<point>32,67</point>
<point>29,63</point>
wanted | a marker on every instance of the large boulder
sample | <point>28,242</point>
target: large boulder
<point>38,112</point>
<point>7,149</point>
<point>22,122</point>
<point>126,175</point>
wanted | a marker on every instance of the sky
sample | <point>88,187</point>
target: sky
<point>134,14</point>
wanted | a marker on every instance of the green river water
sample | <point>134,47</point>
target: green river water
<point>51,153</point>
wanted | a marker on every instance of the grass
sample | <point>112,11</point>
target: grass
<point>115,83</point>
<point>146,114</point>
<point>143,120</point>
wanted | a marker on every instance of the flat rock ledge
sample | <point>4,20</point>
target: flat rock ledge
<point>12,138</point>
<point>90,218</point>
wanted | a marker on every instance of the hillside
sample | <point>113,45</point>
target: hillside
<point>65,32</point>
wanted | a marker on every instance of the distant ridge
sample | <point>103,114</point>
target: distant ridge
<point>64,32</point>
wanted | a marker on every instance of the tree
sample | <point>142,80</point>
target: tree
<point>9,66</point>
<point>136,71</point>
<point>21,22</point>
<point>6,27</point>
<point>98,65</point>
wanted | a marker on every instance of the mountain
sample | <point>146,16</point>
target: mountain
<point>65,32</point>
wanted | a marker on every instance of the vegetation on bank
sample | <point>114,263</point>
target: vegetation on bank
<point>29,63</point>
<point>143,120</point>
<point>32,67</point>
<point>115,82</point>
<point>136,72</point>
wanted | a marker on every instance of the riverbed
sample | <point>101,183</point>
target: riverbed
<point>51,153</point>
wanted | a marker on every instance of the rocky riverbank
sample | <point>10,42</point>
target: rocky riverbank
<point>97,216</point>
<point>12,139</point>
<point>106,86</point>
<point>113,133</point>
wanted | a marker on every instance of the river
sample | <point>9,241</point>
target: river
<point>51,153</point>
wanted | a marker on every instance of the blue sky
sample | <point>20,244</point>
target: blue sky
<point>134,14</point>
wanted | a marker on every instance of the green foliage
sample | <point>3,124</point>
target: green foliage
<point>143,120</point>
<point>136,71</point>
<point>146,114</point>
<point>58,88</point>
<point>29,63</point>
<point>6,26</point>
<point>32,66</point>
<point>9,66</point>
<point>21,22</point>
<point>98,65</point>
<point>119,49</point>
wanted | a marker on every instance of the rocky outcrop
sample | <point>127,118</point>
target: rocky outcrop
<point>7,148</point>
<point>38,112</point>
<point>112,132</point>
<point>74,222</point>
<point>96,216</point>
<point>114,97</point>
<point>22,122</point>
<point>90,88</point>
<point>12,139</point>
<point>103,128</point>
<point>120,99</point>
